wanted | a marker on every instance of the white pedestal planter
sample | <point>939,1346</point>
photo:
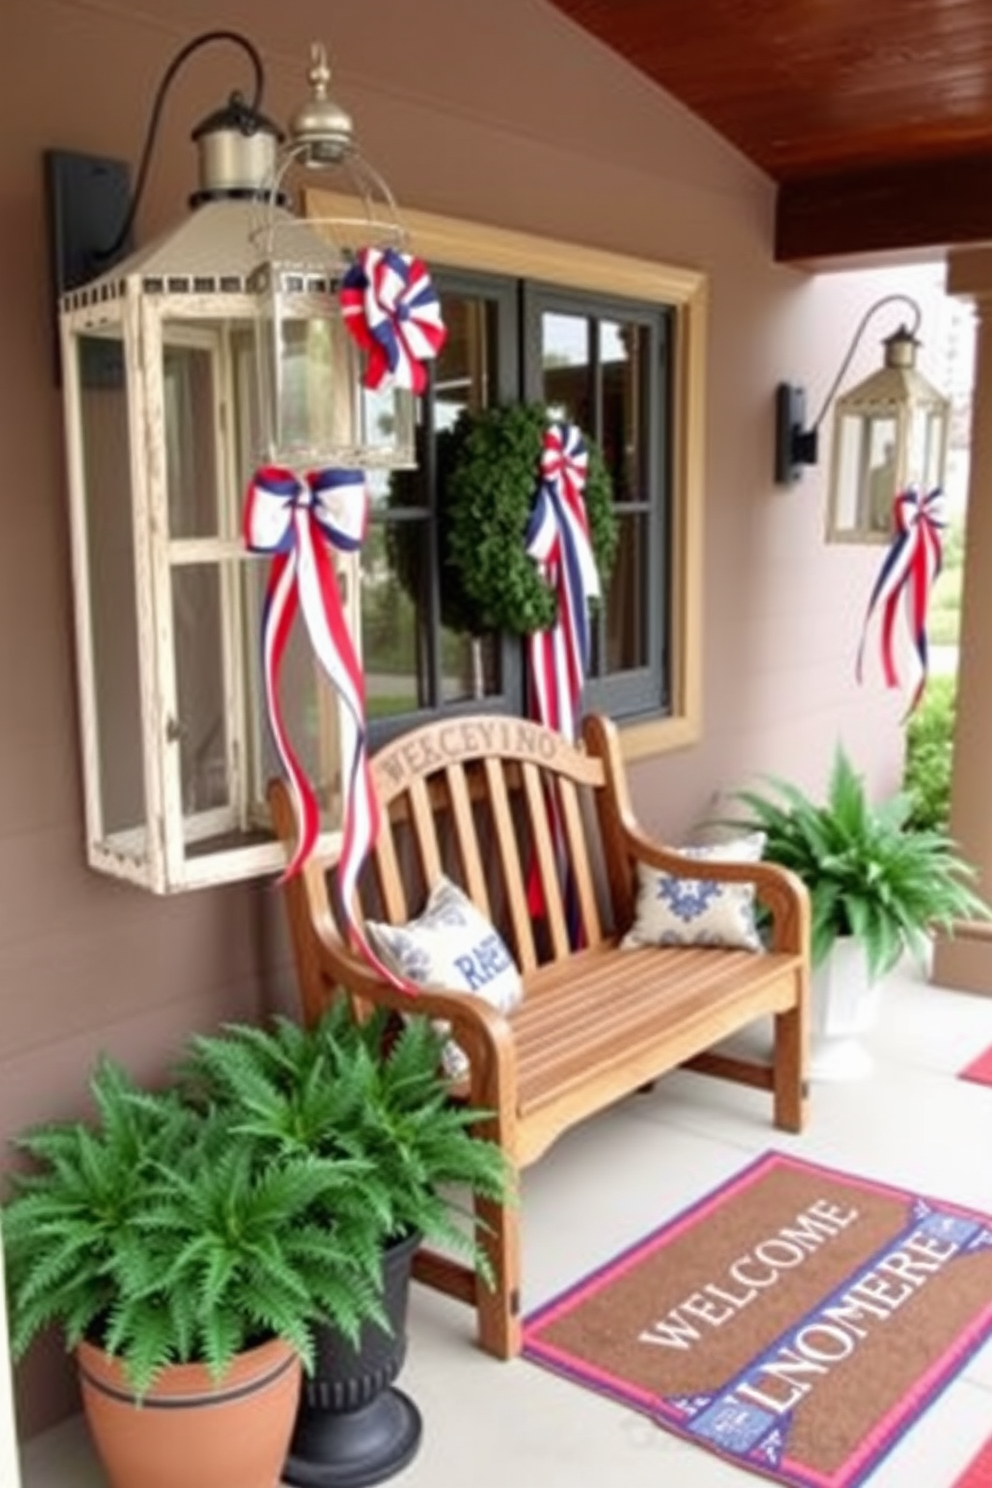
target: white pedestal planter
<point>844,1008</point>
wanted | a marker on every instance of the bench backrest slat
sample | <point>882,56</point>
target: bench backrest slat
<point>545,861</point>
<point>467,839</point>
<point>579,867</point>
<point>424,826</point>
<point>392,893</point>
<point>507,854</point>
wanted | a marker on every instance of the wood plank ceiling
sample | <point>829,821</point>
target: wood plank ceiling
<point>873,116</point>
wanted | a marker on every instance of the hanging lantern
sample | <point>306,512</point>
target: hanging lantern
<point>316,403</point>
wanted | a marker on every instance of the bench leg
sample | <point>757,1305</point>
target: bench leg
<point>498,1307</point>
<point>790,1070</point>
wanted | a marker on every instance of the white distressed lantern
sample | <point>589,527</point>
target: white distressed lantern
<point>167,414</point>
<point>890,435</point>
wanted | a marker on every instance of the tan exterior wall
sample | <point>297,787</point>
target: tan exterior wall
<point>504,113</point>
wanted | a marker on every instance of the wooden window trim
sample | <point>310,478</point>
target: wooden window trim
<point>478,246</point>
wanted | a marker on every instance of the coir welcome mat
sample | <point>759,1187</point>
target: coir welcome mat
<point>796,1321</point>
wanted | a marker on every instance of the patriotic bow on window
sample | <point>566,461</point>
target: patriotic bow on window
<point>558,540</point>
<point>907,576</point>
<point>393,312</point>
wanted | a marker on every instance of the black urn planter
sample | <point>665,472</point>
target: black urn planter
<point>353,1427</point>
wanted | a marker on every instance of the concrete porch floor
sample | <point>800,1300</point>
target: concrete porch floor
<point>911,1122</point>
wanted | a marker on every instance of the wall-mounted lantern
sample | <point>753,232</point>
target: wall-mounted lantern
<point>890,435</point>
<point>214,349</point>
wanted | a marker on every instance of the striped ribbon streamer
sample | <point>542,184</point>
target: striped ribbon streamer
<point>907,575</point>
<point>298,522</point>
<point>557,538</point>
<point>393,313</point>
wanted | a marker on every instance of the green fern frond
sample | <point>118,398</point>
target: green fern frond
<point>870,874</point>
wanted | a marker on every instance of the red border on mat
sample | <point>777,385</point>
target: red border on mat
<point>887,1432</point>
<point>978,1473</point>
<point>979,1069</point>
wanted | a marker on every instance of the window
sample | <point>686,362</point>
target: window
<point>605,366</point>
<point>616,345</point>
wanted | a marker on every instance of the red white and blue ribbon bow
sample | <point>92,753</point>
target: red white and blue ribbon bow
<point>299,522</point>
<point>908,572</point>
<point>558,540</point>
<point>393,312</point>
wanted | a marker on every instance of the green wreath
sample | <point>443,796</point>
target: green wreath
<point>488,468</point>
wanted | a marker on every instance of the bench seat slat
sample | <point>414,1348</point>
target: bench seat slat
<point>594,1012</point>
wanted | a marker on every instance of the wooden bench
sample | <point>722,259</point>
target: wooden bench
<point>467,798</point>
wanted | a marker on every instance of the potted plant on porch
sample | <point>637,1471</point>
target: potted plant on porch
<point>878,889</point>
<point>203,1240</point>
<point>373,1096</point>
<point>185,1268</point>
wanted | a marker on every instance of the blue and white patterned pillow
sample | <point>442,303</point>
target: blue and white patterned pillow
<point>698,911</point>
<point>451,947</point>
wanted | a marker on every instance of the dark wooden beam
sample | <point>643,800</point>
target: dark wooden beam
<point>931,204</point>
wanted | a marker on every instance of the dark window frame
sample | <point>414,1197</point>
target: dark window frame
<point>643,695</point>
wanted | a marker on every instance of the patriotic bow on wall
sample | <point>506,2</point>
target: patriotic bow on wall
<point>558,540</point>
<point>299,522</point>
<point>907,575</point>
<point>393,312</point>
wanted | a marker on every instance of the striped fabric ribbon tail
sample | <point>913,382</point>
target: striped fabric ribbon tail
<point>905,581</point>
<point>558,540</point>
<point>299,522</point>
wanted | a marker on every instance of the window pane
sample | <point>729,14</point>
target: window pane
<point>466,369</point>
<point>395,577</point>
<point>626,630</point>
<point>566,368</point>
<point>469,666</point>
<point>623,349</point>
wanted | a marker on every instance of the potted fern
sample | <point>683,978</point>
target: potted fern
<point>185,1267</point>
<point>372,1098</point>
<point>878,889</point>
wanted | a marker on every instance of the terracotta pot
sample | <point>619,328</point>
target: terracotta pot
<point>189,1429</point>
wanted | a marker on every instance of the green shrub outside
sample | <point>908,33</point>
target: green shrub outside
<point>929,744</point>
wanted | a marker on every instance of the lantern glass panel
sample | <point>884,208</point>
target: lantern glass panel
<point>204,712</point>
<point>112,674</point>
<point>863,475</point>
<point>191,399</point>
<point>926,460</point>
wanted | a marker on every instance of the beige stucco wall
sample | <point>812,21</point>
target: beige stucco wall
<point>500,112</point>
